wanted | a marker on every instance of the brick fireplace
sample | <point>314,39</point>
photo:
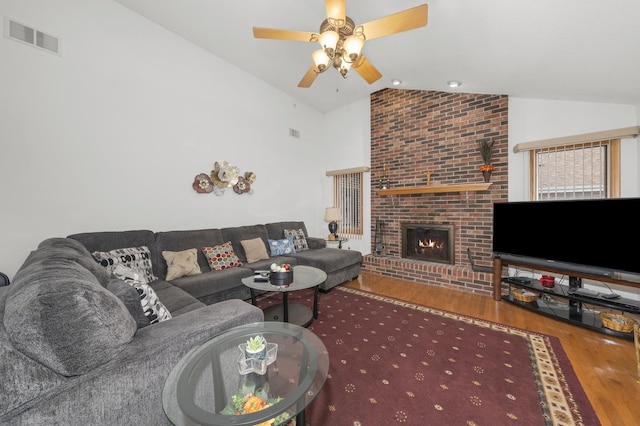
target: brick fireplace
<point>418,133</point>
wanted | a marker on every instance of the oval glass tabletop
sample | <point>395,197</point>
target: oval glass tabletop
<point>212,384</point>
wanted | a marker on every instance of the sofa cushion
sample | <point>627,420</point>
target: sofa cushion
<point>254,249</point>
<point>152,307</point>
<point>240,233</point>
<point>221,256</point>
<point>130,298</point>
<point>58,314</point>
<point>181,263</point>
<point>299,238</point>
<point>137,258</point>
<point>281,247</point>
<point>175,299</point>
<point>111,240</point>
<point>183,240</point>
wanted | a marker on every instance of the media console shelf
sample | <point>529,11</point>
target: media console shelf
<point>548,302</point>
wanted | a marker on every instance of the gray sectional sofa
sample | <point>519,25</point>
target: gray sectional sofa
<point>341,265</point>
<point>77,347</point>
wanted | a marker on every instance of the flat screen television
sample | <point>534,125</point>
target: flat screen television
<point>597,237</point>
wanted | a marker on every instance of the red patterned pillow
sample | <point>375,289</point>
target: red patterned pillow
<point>221,256</point>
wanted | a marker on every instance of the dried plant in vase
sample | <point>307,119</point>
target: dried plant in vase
<point>485,146</point>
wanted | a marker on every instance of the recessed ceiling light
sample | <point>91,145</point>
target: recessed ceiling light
<point>396,82</point>
<point>454,83</point>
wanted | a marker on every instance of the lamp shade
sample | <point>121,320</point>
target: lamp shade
<point>332,214</point>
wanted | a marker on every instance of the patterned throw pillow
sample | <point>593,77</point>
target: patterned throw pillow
<point>153,308</point>
<point>181,263</point>
<point>137,258</point>
<point>281,247</point>
<point>299,239</point>
<point>221,256</point>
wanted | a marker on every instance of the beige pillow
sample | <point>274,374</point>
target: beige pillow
<point>181,263</point>
<point>254,249</point>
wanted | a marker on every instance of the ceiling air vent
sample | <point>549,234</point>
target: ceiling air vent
<point>25,34</point>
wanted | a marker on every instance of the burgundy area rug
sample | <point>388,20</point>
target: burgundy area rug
<point>394,362</point>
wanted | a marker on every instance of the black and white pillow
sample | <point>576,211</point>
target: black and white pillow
<point>299,239</point>
<point>153,308</point>
<point>137,258</point>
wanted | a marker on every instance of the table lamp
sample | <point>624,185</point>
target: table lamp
<point>332,215</point>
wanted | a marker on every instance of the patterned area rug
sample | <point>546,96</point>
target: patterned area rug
<point>393,362</point>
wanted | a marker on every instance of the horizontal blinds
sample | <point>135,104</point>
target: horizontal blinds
<point>626,132</point>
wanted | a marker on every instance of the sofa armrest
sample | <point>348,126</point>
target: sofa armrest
<point>128,388</point>
<point>316,243</point>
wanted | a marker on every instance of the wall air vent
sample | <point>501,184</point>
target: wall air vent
<point>294,133</point>
<point>27,35</point>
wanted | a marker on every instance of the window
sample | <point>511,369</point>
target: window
<point>578,171</point>
<point>347,196</point>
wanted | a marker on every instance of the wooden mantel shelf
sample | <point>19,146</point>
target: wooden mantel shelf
<point>432,189</point>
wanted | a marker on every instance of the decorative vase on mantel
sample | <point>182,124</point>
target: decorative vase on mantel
<point>486,170</point>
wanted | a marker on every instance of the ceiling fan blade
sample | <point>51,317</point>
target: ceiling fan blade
<point>309,77</point>
<point>367,70</point>
<point>283,34</point>
<point>336,12</point>
<point>409,19</point>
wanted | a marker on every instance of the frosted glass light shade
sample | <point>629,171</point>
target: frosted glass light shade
<point>320,59</point>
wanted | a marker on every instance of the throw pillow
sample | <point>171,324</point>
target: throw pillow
<point>153,308</point>
<point>138,258</point>
<point>254,249</point>
<point>281,247</point>
<point>181,263</point>
<point>299,239</point>
<point>221,256</point>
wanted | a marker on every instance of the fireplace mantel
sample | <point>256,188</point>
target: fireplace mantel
<point>432,189</point>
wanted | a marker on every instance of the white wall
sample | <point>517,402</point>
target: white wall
<point>535,119</point>
<point>111,135</point>
<point>347,141</point>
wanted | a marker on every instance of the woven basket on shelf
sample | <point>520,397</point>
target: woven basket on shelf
<point>523,295</point>
<point>617,322</point>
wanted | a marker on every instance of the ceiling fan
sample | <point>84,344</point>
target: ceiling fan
<point>342,41</point>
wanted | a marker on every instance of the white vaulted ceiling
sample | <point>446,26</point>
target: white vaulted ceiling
<point>583,50</point>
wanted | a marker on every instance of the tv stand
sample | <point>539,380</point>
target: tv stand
<point>548,303</point>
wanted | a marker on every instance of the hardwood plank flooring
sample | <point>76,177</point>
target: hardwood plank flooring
<point>606,366</point>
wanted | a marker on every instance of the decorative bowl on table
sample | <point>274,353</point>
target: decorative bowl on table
<point>281,278</point>
<point>281,274</point>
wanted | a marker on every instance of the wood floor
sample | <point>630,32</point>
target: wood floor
<point>606,366</point>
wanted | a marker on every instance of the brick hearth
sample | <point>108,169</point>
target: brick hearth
<point>413,132</point>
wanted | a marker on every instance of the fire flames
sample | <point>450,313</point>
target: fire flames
<point>431,244</point>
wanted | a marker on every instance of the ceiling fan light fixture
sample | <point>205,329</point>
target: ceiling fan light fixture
<point>352,47</point>
<point>344,68</point>
<point>321,60</point>
<point>329,40</point>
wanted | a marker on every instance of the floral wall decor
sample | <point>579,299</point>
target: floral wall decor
<point>224,175</point>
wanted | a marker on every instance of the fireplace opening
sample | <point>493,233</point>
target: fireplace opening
<point>428,242</point>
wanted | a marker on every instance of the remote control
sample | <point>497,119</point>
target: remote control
<point>610,296</point>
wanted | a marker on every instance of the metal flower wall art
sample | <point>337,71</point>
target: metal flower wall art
<point>223,176</point>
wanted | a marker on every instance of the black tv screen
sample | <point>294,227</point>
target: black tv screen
<point>597,237</point>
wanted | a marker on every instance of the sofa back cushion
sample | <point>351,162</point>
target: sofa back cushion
<point>238,234</point>
<point>276,229</point>
<point>184,240</point>
<point>112,240</point>
<point>58,314</point>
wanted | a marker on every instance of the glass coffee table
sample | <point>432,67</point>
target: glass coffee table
<point>295,313</point>
<point>203,386</point>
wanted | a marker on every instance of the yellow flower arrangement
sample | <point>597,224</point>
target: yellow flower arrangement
<point>487,168</point>
<point>250,400</point>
